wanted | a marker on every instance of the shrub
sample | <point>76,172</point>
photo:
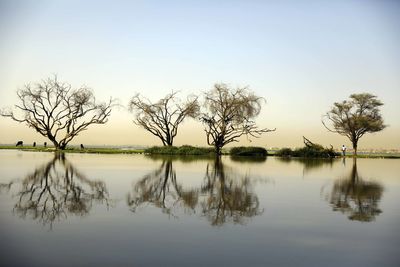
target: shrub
<point>248,151</point>
<point>284,152</point>
<point>314,151</point>
<point>182,150</point>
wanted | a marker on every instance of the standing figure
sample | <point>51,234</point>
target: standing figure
<point>45,144</point>
<point>34,144</point>
<point>344,150</point>
<point>82,147</point>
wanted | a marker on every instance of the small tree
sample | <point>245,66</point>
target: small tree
<point>230,113</point>
<point>57,111</point>
<point>163,118</point>
<point>355,117</point>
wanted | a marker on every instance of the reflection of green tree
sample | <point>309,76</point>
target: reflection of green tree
<point>355,197</point>
<point>57,189</point>
<point>220,199</point>
<point>161,189</point>
<point>226,198</point>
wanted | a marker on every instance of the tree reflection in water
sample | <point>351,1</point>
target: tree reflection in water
<point>221,198</point>
<point>227,199</point>
<point>161,189</point>
<point>55,190</point>
<point>356,198</point>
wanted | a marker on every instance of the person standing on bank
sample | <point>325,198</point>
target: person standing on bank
<point>344,150</point>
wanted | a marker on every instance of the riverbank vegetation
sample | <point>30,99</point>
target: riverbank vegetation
<point>248,151</point>
<point>181,150</point>
<point>194,151</point>
<point>310,150</point>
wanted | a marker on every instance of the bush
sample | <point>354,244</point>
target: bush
<point>248,151</point>
<point>315,151</point>
<point>284,152</point>
<point>182,150</point>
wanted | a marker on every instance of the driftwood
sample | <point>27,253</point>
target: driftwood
<point>319,147</point>
<point>307,142</point>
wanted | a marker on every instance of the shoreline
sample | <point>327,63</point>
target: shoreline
<point>110,150</point>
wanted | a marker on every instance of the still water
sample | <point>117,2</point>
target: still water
<point>137,210</point>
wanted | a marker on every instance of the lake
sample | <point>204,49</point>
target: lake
<point>138,210</point>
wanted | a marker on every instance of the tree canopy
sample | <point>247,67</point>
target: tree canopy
<point>355,117</point>
<point>229,115</point>
<point>57,111</point>
<point>163,117</point>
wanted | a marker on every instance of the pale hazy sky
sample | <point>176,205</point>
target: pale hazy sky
<point>300,55</point>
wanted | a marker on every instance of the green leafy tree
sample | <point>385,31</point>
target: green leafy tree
<point>355,117</point>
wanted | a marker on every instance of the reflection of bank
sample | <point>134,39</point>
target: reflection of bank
<point>309,164</point>
<point>356,198</point>
<point>222,198</point>
<point>55,190</point>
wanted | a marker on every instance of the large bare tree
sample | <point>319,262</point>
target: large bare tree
<point>355,117</point>
<point>57,111</point>
<point>163,118</point>
<point>229,115</point>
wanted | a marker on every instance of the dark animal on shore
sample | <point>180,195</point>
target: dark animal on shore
<point>45,144</point>
<point>82,147</point>
<point>34,144</point>
<point>20,143</point>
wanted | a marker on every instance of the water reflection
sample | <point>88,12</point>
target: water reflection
<point>309,164</point>
<point>161,189</point>
<point>223,197</point>
<point>356,198</point>
<point>252,159</point>
<point>55,190</point>
<point>227,199</point>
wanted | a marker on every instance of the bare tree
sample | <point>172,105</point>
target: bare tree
<point>57,111</point>
<point>355,117</point>
<point>230,113</point>
<point>163,118</point>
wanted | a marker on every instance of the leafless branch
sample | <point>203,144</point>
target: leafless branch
<point>57,111</point>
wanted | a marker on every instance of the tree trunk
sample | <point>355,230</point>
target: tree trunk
<point>218,150</point>
<point>355,148</point>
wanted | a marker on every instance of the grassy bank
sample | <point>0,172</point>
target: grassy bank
<point>190,150</point>
<point>77,150</point>
<point>181,150</point>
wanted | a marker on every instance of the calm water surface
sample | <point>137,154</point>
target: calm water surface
<point>136,210</point>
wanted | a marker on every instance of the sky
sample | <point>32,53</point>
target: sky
<point>301,56</point>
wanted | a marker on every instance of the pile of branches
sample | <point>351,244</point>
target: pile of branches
<point>310,150</point>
